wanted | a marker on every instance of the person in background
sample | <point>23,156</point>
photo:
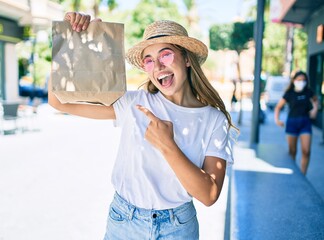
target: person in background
<point>303,106</point>
<point>234,99</point>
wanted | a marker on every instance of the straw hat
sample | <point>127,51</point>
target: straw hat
<point>165,31</point>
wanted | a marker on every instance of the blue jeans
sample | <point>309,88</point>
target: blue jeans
<point>127,222</point>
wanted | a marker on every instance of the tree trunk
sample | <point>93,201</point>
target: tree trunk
<point>96,8</point>
<point>240,115</point>
<point>289,49</point>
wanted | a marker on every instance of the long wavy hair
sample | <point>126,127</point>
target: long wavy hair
<point>200,86</point>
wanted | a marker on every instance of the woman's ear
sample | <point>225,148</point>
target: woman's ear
<point>187,62</point>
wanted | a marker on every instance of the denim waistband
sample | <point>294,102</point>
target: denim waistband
<point>149,214</point>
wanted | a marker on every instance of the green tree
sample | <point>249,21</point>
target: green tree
<point>220,36</point>
<point>146,12</point>
<point>242,34</point>
<point>111,4</point>
<point>274,48</point>
<point>275,44</point>
<point>189,4</point>
<point>300,49</point>
<point>78,5</point>
<point>34,59</point>
<point>191,12</point>
<point>232,37</point>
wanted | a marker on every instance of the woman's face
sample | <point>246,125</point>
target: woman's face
<point>166,68</point>
<point>299,83</point>
<point>300,78</point>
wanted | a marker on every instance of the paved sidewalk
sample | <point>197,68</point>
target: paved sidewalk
<point>271,134</point>
<point>55,182</point>
<point>269,197</point>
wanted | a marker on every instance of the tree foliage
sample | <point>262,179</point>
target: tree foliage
<point>189,4</point>
<point>274,44</point>
<point>220,36</point>
<point>231,36</point>
<point>112,4</point>
<point>300,49</point>
<point>38,66</point>
<point>274,48</point>
<point>242,34</point>
<point>146,12</point>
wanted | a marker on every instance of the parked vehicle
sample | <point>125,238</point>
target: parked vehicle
<point>274,90</point>
<point>28,89</point>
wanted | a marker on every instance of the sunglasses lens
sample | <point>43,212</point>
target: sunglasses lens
<point>148,64</point>
<point>166,58</point>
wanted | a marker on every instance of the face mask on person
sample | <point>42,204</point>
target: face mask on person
<point>299,85</point>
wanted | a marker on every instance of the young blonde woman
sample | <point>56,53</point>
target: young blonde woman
<point>303,106</point>
<point>175,140</point>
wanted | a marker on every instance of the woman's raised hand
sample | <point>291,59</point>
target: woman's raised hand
<point>79,21</point>
<point>159,132</point>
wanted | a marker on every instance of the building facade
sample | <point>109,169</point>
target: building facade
<point>309,14</point>
<point>15,17</point>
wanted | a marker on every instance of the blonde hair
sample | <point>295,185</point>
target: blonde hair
<point>200,86</point>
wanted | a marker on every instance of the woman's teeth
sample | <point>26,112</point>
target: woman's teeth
<point>163,76</point>
<point>164,79</point>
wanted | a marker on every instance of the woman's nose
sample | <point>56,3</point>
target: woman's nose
<point>158,65</point>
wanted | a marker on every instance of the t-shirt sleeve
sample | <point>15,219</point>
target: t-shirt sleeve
<point>221,143</point>
<point>286,96</point>
<point>122,105</point>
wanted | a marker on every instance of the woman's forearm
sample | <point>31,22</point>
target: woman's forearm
<point>198,183</point>
<point>82,110</point>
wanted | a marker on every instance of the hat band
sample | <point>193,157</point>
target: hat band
<point>157,36</point>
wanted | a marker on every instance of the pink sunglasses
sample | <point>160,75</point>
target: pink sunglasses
<point>165,58</point>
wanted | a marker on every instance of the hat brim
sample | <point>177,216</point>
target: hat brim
<point>134,54</point>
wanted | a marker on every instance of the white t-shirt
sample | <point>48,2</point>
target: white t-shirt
<point>141,175</point>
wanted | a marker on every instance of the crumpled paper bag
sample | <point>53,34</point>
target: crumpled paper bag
<point>88,66</point>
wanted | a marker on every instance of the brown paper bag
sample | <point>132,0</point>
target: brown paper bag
<point>88,66</point>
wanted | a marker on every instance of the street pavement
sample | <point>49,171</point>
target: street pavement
<point>55,178</point>
<point>272,136</point>
<point>55,181</point>
<point>269,197</point>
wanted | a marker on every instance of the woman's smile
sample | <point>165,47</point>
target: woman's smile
<point>165,79</point>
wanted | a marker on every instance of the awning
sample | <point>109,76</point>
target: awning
<point>36,13</point>
<point>300,11</point>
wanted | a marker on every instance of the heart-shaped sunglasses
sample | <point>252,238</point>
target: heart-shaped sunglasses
<point>165,58</point>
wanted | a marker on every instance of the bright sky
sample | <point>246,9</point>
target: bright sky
<point>210,11</point>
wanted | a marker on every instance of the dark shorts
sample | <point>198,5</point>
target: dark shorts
<point>298,125</point>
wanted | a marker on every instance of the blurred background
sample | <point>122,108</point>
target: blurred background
<point>227,29</point>
<point>33,135</point>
